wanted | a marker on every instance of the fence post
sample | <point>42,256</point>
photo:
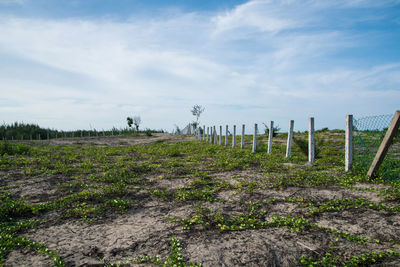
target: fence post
<point>289,139</point>
<point>242,141</point>
<point>89,134</point>
<point>220,135</point>
<point>31,137</point>
<point>204,132</point>
<point>234,136</point>
<point>48,136</point>
<point>348,156</point>
<point>39,138</point>
<point>271,134</point>
<point>311,141</point>
<point>255,139</point>
<point>208,134</point>
<point>226,135</point>
<point>386,142</point>
<point>214,135</point>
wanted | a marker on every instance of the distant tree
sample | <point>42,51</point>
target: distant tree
<point>196,111</point>
<point>130,121</point>
<point>136,121</point>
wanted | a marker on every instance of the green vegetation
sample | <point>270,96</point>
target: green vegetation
<point>26,131</point>
<point>229,189</point>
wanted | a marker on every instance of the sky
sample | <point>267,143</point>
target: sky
<point>82,64</point>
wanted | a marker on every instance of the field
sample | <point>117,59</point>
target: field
<point>175,201</point>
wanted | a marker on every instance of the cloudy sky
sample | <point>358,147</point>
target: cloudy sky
<point>91,63</point>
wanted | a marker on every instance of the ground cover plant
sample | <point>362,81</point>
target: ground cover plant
<point>168,200</point>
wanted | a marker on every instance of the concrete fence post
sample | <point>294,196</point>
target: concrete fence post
<point>38,137</point>
<point>208,134</point>
<point>271,135</point>
<point>311,141</point>
<point>289,139</point>
<point>215,135</point>
<point>204,132</point>
<point>348,157</point>
<point>242,141</point>
<point>226,135</point>
<point>255,139</point>
<point>220,135</point>
<point>89,134</point>
<point>234,136</point>
<point>48,136</point>
<point>31,137</point>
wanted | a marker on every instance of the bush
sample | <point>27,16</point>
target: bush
<point>14,149</point>
<point>302,144</point>
<point>275,130</point>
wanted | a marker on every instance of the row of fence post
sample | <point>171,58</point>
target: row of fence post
<point>210,135</point>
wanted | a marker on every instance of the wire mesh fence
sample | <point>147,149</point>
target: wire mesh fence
<point>368,135</point>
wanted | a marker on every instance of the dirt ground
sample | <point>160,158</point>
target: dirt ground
<point>145,230</point>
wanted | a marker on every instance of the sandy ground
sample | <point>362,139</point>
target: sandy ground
<point>145,230</point>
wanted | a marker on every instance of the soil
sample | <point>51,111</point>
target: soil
<point>145,230</point>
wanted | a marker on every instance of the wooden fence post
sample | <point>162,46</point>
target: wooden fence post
<point>289,139</point>
<point>255,139</point>
<point>311,141</point>
<point>242,141</point>
<point>234,136</point>
<point>226,135</point>
<point>384,147</point>
<point>271,132</point>
<point>348,156</point>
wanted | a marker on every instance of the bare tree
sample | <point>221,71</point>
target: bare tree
<point>196,111</point>
<point>136,121</point>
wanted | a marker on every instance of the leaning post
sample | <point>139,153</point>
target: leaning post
<point>289,139</point>
<point>311,141</point>
<point>386,142</point>
<point>348,156</point>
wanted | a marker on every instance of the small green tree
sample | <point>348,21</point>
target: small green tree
<point>275,130</point>
<point>129,121</point>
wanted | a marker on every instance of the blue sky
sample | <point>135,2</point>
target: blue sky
<point>71,64</point>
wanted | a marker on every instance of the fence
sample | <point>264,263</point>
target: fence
<point>364,140</point>
<point>368,138</point>
<point>210,135</point>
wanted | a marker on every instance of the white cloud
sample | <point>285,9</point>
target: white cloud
<point>263,55</point>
